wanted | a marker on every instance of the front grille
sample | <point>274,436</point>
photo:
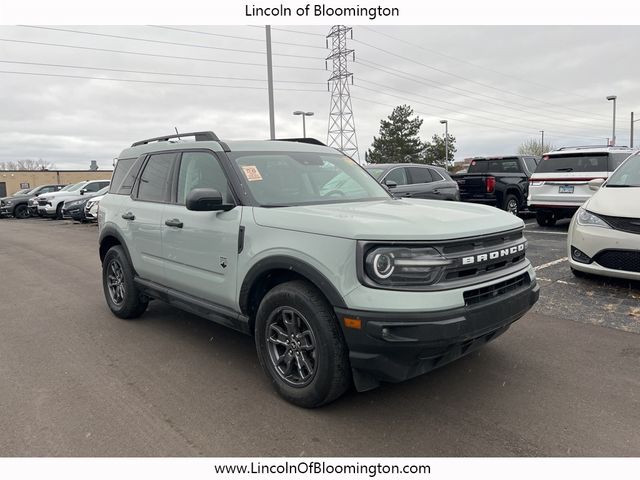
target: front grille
<point>42,203</point>
<point>630,225</point>
<point>479,295</point>
<point>625,260</point>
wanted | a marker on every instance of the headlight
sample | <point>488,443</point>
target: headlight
<point>8,202</point>
<point>90,204</point>
<point>408,266</point>
<point>585,217</point>
<point>73,204</point>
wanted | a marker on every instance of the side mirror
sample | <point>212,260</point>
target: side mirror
<point>206,200</point>
<point>390,184</point>
<point>83,191</point>
<point>596,183</point>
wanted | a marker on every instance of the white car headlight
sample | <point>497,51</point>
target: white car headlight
<point>585,217</point>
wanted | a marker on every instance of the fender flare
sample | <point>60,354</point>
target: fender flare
<point>283,262</point>
<point>110,231</point>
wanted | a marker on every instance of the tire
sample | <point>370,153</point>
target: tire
<point>21,212</point>
<point>545,219</point>
<point>120,291</point>
<point>317,374</point>
<point>511,204</point>
<point>58,212</point>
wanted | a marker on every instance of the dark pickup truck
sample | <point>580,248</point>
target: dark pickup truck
<point>502,182</point>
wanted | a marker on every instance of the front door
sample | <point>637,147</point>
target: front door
<point>200,249</point>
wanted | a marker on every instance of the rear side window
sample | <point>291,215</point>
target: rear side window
<point>420,175</point>
<point>478,166</point>
<point>574,162</point>
<point>154,183</point>
<point>125,175</point>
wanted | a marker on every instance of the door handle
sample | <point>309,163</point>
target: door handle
<point>173,222</point>
<point>128,216</point>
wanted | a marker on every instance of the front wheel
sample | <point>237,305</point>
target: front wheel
<point>21,212</point>
<point>123,296</point>
<point>300,345</point>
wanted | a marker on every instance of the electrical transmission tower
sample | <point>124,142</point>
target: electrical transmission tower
<point>342,128</point>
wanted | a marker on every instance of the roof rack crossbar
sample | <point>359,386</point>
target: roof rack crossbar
<point>199,136</point>
<point>584,147</point>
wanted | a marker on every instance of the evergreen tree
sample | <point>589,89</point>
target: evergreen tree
<point>399,140</point>
<point>434,151</point>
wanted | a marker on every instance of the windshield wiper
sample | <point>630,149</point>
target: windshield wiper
<point>622,186</point>
<point>568,169</point>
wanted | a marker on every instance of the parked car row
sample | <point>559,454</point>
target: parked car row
<point>78,201</point>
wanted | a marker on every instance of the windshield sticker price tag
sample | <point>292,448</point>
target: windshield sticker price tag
<point>252,173</point>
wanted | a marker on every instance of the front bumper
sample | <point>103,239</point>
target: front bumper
<point>593,240</point>
<point>6,210</point>
<point>46,211</point>
<point>393,347</point>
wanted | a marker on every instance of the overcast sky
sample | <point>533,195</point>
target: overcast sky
<point>497,86</point>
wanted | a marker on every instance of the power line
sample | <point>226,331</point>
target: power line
<point>163,42</point>
<point>146,72</point>
<point>157,82</point>
<point>288,30</point>
<point>481,67</point>
<point>464,78</point>
<point>502,115</point>
<point>200,32</point>
<point>479,116</point>
<point>491,127</point>
<point>157,55</point>
<point>465,93</point>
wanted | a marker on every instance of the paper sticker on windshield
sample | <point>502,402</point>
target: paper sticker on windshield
<point>252,173</point>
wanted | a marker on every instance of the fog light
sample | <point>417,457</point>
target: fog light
<point>579,255</point>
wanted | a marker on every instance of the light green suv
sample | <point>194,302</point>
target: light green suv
<point>294,243</point>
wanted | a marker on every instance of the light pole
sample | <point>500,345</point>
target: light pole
<point>446,142</point>
<point>613,136</point>
<point>631,136</point>
<point>304,125</point>
<point>272,122</point>
<point>542,143</point>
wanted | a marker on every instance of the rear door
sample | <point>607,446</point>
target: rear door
<point>200,249</point>
<point>141,218</point>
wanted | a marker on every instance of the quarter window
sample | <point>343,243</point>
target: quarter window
<point>154,181</point>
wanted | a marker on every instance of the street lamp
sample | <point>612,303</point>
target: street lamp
<point>446,142</point>
<point>613,136</point>
<point>631,136</point>
<point>304,126</point>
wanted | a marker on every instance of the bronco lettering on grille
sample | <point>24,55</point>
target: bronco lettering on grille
<point>485,257</point>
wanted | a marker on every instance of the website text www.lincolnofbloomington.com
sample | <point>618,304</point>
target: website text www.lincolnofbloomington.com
<point>322,468</point>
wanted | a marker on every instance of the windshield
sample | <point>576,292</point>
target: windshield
<point>23,191</point>
<point>70,187</point>
<point>280,179</point>
<point>75,187</point>
<point>102,191</point>
<point>375,172</point>
<point>627,175</point>
<point>574,162</point>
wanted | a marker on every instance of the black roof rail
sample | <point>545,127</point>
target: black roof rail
<point>311,141</point>
<point>584,147</point>
<point>199,136</point>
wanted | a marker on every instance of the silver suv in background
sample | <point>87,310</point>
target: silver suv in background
<point>560,184</point>
<point>294,243</point>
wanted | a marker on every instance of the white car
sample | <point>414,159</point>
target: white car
<point>560,183</point>
<point>50,204</point>
<point>91,208</point>
<point>604,235</point>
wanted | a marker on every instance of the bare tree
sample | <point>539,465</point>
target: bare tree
<point>534,147</point>
<point>27,164</point>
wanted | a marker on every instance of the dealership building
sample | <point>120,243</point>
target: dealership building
<point>13,180</point>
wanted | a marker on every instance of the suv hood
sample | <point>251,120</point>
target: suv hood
<point>615,202</point>
<point>401,219</point>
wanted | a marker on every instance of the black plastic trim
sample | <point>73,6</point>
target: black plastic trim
<point>240,239</point>
<point>282,262</point>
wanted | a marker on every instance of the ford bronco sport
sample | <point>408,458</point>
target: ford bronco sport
<point>339,286</point>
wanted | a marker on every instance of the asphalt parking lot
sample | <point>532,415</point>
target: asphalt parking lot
<point>76,381</point>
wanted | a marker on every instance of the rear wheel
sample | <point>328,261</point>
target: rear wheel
<point>545,219</point>
<point>21,211</point>
<point>300,345</point>
<point>123,296</point>
<point>511,204</point>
